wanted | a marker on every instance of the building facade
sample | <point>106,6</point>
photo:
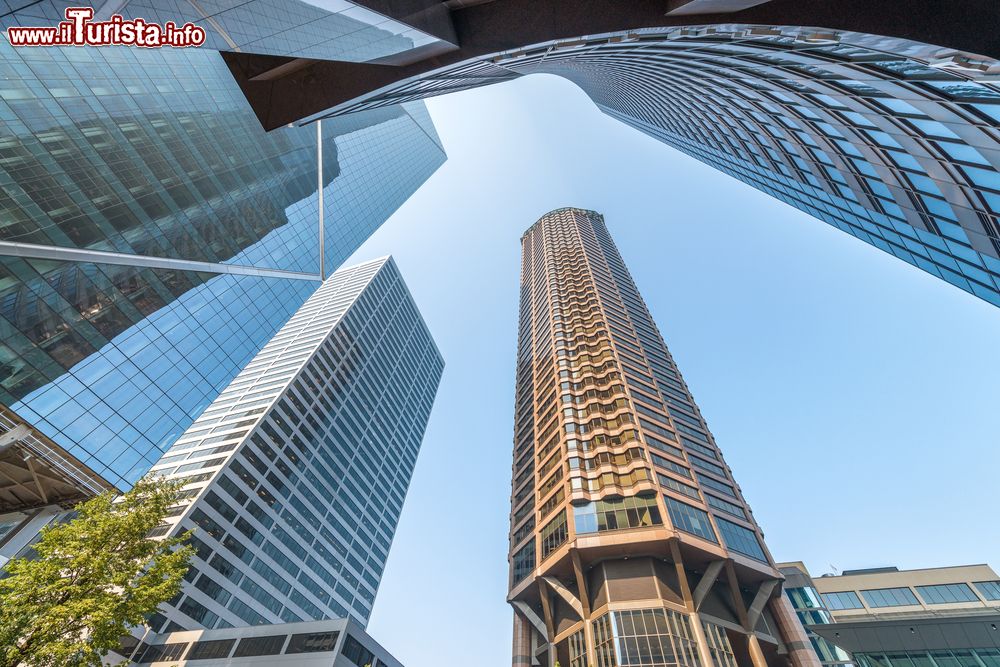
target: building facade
<point>630,541</point>
<point>295,476</point>
<point>811,609</point>
<point>153,237</point>
<point>893,141</point>
<point>934,617</point>
<point>332,643</point>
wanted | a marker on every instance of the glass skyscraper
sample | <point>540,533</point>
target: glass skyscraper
<point>153,237</point>
<point>630,541</point>
<point>294,477</point>
<point>893,141</point>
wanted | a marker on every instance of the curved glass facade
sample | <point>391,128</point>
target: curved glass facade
<point>892,141</point>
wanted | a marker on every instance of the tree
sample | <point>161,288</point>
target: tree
<point>93,578</point>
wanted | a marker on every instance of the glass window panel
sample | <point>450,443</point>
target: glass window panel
<point>890,597</point>
<point>690,519</point>
<point>946,593</point>
<point>989,589</point>
<point>843,600</point>
<point>254,646</point>
<point>962,152</point>
<point>313,642</point>
<point>741,539</point>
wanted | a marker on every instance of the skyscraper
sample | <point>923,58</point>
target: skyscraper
<point>630,541</point>
<point>894,141</point>
<point>153,237</point>
<point>295,476</point>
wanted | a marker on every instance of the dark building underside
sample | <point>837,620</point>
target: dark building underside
<point>283,90</point>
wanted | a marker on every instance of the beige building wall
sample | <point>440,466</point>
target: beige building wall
<point>862,583</point>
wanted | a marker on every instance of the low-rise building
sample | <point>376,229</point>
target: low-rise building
<point>887,617</point>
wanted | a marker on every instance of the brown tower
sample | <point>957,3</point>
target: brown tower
<point>630,544</point>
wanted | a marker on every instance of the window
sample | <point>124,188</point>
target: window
<point>313,642</point>
<point>690,431</point>
<point>741,539</point>
<point>690,519</point>
<point>671,466</point>
<point>252,646</point>
<point>890,597</point>
<point>644,635</point>
<point>664,447</point>
<point>947,593</point>
<point>701,449</point>
<point>614,514</point>
<point>218,648</point>
<point>659,430</point>
<point>804,597</point>
<point>725,506</point>
<point>679,487</point>
<point>962,153</point>
<point>989,589</point>
<point>845,600</point>
<point>985,178</point>
<point>524,561</point>
<point>933,128</point>
<point>705,465</point>
<point>357,653</point>
<point>719,646</point>
<point>554,533</point>
<point>163,653</point>
<point>717,485</point>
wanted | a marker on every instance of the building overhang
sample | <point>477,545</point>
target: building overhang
<point>924,633</point>
<point>35,471</point>
<point>283,90</point>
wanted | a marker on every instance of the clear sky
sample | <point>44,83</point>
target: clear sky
<point>854,396</point>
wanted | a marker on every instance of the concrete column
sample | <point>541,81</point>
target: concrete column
<point>800,649</point>
<point>522,650</point>
<point>588,635</point>
<point>704,652</point>
<point>756,654</point>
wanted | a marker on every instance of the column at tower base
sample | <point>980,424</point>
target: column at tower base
<point>800,649</point>
<point>522,647</point>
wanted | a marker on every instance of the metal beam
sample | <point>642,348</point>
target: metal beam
<point>34,251</point>
<point>13,436</point>
<point>760,600</point>
<point>532,617</point>
<point>565,593</point>
<point>321,240</point>
<point>706,582</point>
<point>38,482</point>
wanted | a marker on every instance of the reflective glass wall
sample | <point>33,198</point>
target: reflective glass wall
<point>153,237</point>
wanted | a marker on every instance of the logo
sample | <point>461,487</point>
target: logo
<point>79,29</point>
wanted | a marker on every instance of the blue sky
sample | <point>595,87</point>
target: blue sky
<point>854,396</point>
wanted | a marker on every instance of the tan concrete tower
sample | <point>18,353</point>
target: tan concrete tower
<point>630,543</point>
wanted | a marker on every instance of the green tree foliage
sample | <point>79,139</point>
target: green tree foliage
<point>93,578</point>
